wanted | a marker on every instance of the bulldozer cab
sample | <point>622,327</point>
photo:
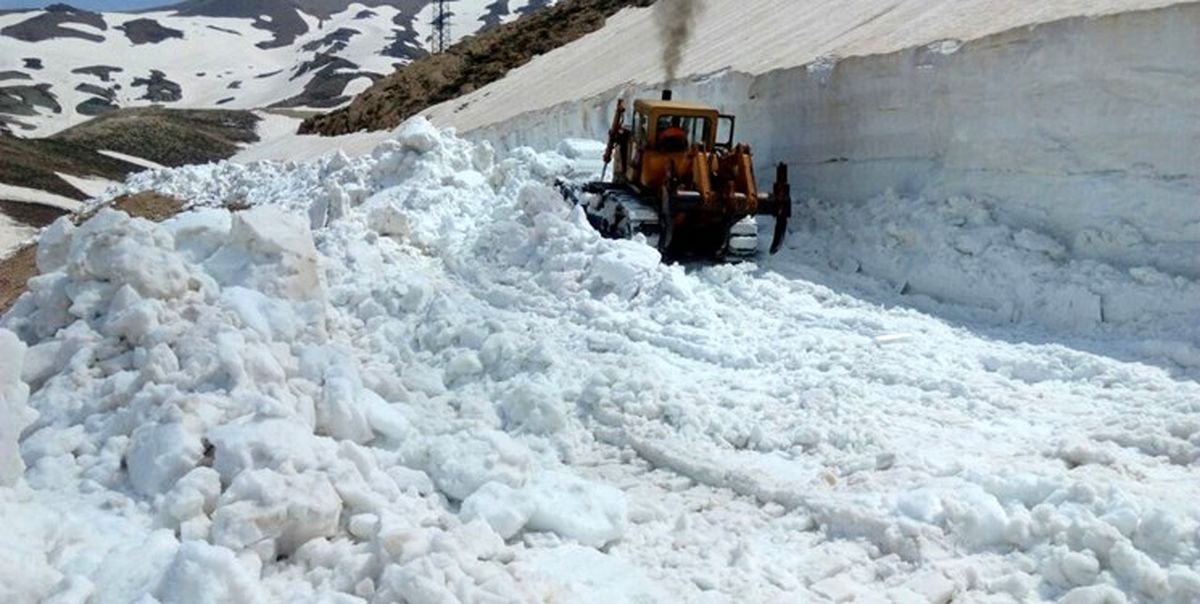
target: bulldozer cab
<point>673,127</point>
<point>664,134</point>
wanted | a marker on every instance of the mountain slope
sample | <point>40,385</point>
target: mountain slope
<point>468,66</point>
<point>61,65</point>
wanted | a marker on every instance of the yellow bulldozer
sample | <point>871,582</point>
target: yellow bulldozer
<point>688,193</point>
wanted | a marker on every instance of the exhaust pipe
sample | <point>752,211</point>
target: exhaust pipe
<point>667,94</point>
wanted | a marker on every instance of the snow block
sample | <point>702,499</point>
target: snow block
<point>268,443</point>
<point>275,513</point>
<point>504,508</point>
<point>558,502</point>
<point>1095,594</point>
<point>54,244</point>
<point>199,233</point>
<point>160,454</point>
<point>272,251</point>
<point>134,567</point>
<point>460,464</point>
<point>590,513</point>
<point>419,135</point>
<point>194,495</point>
<point>592,576</point>
<point>15,414</point>
<point>534,407</point>
<point>201,574</point>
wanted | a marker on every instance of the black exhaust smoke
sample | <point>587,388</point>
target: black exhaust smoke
<point>667,94</point>
<point>675,19</point>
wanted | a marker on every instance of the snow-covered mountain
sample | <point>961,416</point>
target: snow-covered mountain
<point>61,65</point>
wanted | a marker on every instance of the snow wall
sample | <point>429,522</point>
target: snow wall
<point>1086,129</point>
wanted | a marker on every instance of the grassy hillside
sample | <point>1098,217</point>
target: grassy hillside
<point>32,163</point>
<point>468,65</point>
<point>172,137</point>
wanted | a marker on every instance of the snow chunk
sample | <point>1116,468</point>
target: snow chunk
<point>581,148</point>
<point>419,134</point>
<point>271,251</point>
<point>275,513</point>
<point>586,575</point>
<point>194,495</point>
<point>555,501</point>
<point>626,268</point>
<point>982,520</point>
<point>134,567</point>
<point>267,443</point>
<point>505,509</point>
<point>199,233</point>
<point>592,514</point>
<point>15,414</point>
<point>1095,594</point>
<point>459,464</point>
<point>533,406</point>
<point>340,411</point>
<point>201,573</point>
<point>160,454</point>
<point>54,245</point>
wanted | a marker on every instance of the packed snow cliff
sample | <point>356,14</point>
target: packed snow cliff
<point>419,376</point>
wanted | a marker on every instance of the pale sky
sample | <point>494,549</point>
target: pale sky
<point>93,5</point>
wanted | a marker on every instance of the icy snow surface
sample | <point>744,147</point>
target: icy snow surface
<point>418,376</point>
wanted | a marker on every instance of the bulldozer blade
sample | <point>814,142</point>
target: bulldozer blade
<point>781,224</point>
<point>782,198</point>
<point>667,218</point>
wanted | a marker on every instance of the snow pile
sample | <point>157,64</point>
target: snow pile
<point>197,368</point>
<point>419,376</point>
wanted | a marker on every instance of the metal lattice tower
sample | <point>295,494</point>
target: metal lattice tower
<point>441,26</point>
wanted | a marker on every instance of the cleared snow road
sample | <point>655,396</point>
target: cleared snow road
<point>454,344</point>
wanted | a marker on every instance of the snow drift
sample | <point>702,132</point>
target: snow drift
<point>418,376</point>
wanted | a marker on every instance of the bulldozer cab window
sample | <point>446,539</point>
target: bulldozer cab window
<point>725,127</point>
<point>639,128</point>
<point>677,132</point>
